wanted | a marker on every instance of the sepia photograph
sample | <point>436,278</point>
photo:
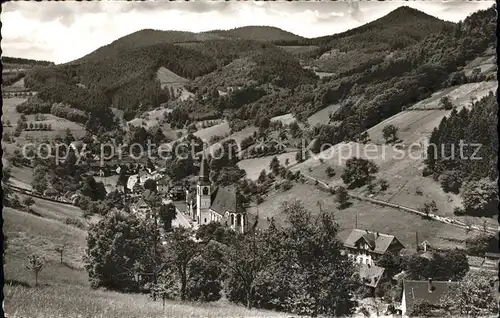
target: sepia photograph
<point>257,159</point>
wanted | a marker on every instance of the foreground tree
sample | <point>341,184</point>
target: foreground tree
<point>297,268</point>
<point>321,278</point>
<point>389,132</point>
<point>181,249</point>
<point>205,273</point>
<point>35,265</point>
<point>167,213</point>
<point>358,172</point>
<point>60,250</point>
<point>474,296</point>
<point>114,246</point>
<point>342,197</point>
<point>245,261</point>
<point>481,198</point>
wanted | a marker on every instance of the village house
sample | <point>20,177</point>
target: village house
<point>140,207</point>
<point>365,247</point>
<point>428,291</point>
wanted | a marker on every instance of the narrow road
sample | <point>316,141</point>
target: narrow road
<point>181,220</point>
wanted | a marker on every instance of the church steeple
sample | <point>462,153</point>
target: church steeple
<point>204,171</point>
<point>203,194</point>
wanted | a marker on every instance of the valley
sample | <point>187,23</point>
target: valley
<point>282,147</point>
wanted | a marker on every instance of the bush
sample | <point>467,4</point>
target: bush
<point>427,172</point>
<point>75,222</point>
<point>330,172</point>
<point>287,185</point>
<point>384,185</point>
<point>450,181</point>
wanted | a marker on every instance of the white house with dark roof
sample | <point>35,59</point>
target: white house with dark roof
<point>365,247</point>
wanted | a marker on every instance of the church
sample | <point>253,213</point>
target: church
<point>205,204</point>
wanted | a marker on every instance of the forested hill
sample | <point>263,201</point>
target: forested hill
<point>149,37</point>
<point>22,61</point>
<point>400,28</point>
<point>257,33</point>
<point>394,61</point>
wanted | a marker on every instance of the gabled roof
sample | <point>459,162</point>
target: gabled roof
<point>141,203</point>
<point>371,274</point>
<point>224,200</point>
<point>378,242</point>
<point>419,290</point>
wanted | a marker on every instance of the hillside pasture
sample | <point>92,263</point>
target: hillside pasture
<point>486,63</point>
<point>236,136</point>
<point>285,119</point>
<point>76,301</point>
<point>460,95</point>
<point>254,166</point>
<point>322,116</point>
<point>59,125</point>
<point>402,166</point>
<point>221,129</point>
<point>174,82</point>
<point>371,217</point>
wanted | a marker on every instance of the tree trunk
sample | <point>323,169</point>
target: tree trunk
<point>249,299</point>
<point>61,257</point>
<point>183,288</point>
<point>36,279</point>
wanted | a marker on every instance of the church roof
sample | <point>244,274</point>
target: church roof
<point>204,175</point>
<point>224,200</point>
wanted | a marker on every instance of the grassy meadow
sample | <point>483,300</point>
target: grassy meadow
<point>63,290</point>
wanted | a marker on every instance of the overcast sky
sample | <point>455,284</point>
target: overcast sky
<point>62,32</point>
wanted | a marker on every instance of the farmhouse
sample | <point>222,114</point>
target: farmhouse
<point>365,247</point>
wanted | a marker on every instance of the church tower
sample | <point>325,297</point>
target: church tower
<point>203,200</point>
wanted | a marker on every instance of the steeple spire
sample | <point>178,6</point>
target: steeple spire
<point>204,171</point>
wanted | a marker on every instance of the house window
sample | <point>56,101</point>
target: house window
<point>205,220</point>
<point>205,190</point>
<point>232,219</point>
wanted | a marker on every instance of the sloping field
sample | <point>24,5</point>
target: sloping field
<point>29,234</point>
<point>401,167</point>
<point>286,119</point>
<point>64,290</point>
<point>76,301</point>
<point>372,217</point>
<point>221,129</point>
<point>322,116</point>
<point>173,81</point>
<point>59,125</point>
<point>167,77</point>
<point>16,86</point>
<point>486,63</point>
<point>237,136</point>
<point>254,166</point>
<point>460,96</point>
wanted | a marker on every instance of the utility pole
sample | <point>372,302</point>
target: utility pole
<point>416,239</point>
